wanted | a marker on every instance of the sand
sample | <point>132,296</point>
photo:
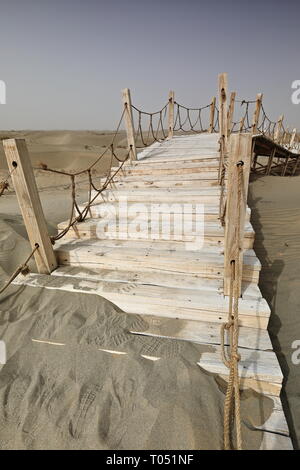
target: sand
<point>74,395</point>
<point>275,203</point>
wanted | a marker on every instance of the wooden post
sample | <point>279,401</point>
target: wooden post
<point>212,115</point>
<point>256,113</point>
<point>230,112</point>
<point>278,128</point>
<point>270,161</point>
<point>28,197</point>
<point>242,122</point>
<point>293,136</point>
<point>129,124</point>
<point>223,107</point>
<point>222,94</point>
<point>171,114</point>
<point>240,148</point>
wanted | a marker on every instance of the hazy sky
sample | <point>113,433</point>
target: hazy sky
<point>65,61</point>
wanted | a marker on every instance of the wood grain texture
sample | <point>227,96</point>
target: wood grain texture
<point>23,179</point>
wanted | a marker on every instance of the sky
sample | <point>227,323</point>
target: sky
<point>65,62</point>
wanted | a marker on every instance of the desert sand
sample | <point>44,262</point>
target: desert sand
<point>63,388</point>
<point>275,204</point>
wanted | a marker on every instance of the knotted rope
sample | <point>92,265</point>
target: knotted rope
<point>77,214</point>
<point>232,400</point>
<point>22,268</point>
<point>155,129</point>
<point>4,185</point>
<point>192,119</point>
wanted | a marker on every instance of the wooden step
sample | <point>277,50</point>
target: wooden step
<point>150,229</point>
<point>208,176</point>
<point>258,365</point>
<point>156,257</point>
<point>185,152</point>
<point>124,183</point>
<point>202,332</point>
<point>151,182</point>
<point>167,158</point>
<point>211,212</point>
<point>183,196</point>
<point>249,290</point>
<point>162,301</point>
<point>167,168</point>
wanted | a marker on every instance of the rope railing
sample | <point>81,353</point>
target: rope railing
<point>233,218</point>
<point>4,184</point>
<point>194,120</point>
<point>77,214</point>
<point>266,126</point>
<point>21,269</point>
<point>232,412</point>
<point>157,126</point>
<point>154,130</point>
<point>243,122</point>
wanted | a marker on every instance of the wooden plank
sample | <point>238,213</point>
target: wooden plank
<point>23,179</point>
<point>276,422</point>
<point>250,291</point>
<point>171,114</point>
<point>152,300</point>
<point>211,212</point>
<point>240,151</point>
<point>158,227</point>
<point>134,184</point>
<point>207,175</point>
<point>129,124</point>
<point>170,196</point>
<point>202,332</point>
<point>164,248</point>
<point>258,365</point>
<point>158,256</point>
<point>199,165</point>
<point>273,441</point>
<point>263,388</point>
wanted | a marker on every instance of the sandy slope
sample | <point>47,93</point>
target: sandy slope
<point>275,204</point>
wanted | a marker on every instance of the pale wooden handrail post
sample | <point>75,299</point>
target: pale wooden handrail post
<point>212,115</point>
<point>222,95</point>
<point>278,128</point>
<point>242,123</point>
<point>129,124</point>
<point>293,136</point>
<point>23,179</point>
<point>256,113</point>
<point>223,106</point>
<point>171,114</point>
<point>230,112</point>
<point>240,148</point>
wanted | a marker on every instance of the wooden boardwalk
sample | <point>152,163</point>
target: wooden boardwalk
<point>167,233</point>
<point>162,273</point>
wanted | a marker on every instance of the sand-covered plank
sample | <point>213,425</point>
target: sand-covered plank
<point>203,332</point>
<point>259,365</point>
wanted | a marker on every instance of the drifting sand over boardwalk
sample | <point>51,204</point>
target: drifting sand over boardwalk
<point>75,394</point>
<point>63,388</point>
